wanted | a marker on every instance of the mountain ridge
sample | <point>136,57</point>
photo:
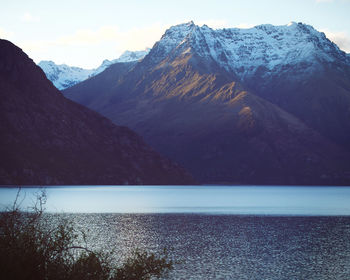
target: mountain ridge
<point>263,45</point>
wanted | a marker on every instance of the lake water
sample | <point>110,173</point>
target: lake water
<point>216,232</point>
<point>252,200</point>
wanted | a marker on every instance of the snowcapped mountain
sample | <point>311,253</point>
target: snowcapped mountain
<point>64,76</point>
<point>265,105</point>
<point>246,51</point>
<point>294,66</point>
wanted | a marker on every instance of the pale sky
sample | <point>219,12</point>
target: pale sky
<point>84,33</point>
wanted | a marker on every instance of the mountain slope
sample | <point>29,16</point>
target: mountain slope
<point>64,76</point>
<point>321,98</point>
<point>190,107</point>
<point>101,83</point>
<point>48,139</point>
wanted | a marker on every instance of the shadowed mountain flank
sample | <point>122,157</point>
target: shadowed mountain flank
<point>48,139</point>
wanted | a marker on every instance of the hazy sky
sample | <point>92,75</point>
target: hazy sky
<point>83,33</point>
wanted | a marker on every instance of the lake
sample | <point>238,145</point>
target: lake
<point>252,200</point>
<point>215,232</point>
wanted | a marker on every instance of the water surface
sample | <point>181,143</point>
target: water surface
<point>230,246</point>
<point>213,232</point>
<point>257,200</point>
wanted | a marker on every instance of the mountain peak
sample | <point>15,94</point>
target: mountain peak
<point>175,34</point>
<point>172,37</point>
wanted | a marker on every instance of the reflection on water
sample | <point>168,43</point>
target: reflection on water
<point>192,199</point>
<point>230,246</point>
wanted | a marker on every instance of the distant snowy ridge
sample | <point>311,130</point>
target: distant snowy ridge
<point>127,56</point>
<point>64,76</point>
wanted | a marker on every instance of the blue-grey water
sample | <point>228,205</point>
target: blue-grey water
<point>216,232</point>
<point>253,200</point>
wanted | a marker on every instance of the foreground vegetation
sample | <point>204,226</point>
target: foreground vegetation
<point>32,248</point>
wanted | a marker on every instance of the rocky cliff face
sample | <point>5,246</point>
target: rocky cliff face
<point>236,106</point>
<point>48,139</point>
